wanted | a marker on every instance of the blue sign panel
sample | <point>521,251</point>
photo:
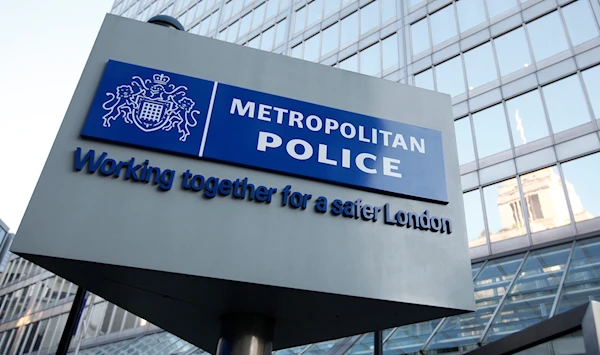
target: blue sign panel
<point>175,113</point>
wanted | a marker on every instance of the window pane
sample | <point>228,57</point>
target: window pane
<point>580,22</point>
<point>475,225</point>
<point>267,39</point>
<point>271,8</point>
<point>419,33</point>
<point>254,42</point>
<point>390,51</point>
<point>470,13</point>
<point>464,141</point>
<point>388,10</point>
<point>232,33</point>
<point>496,7</point>
<point>583,278</point>
<point>331,6</point>
<point>297,51</point>
<point>504,211</point>
<point>480,65</point>
<point>547,36</point>
<point>512,51</point>
<point>449,77</point>
<point>443,25</point>
<point>545,199</point>
<point>315,12</point>
<point>369,17</point>
<point>425,79</point>
<point>280,35</point>
<point>330,38</point>
<point>259,16</point>
<point>583,191</point>
<point>350,63</point>
<point>370,61</point>
<point>527,118</point>
<point>490,285</point>
<point>311,48</point>
<point>491,133</point>
<point>349,28</point>
<point>300,20</point>
<point>245,24</point>
<point>530,299</point>
<point>566,104</point>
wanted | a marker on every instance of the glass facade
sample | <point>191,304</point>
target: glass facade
<point>524,78</point>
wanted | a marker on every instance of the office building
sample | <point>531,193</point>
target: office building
<point>525,90</point>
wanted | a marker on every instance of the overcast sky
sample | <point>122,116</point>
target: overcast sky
<point>43,48</point>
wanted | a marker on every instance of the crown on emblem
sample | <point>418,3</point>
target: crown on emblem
<point>161,79</point>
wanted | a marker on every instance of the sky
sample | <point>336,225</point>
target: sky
<point>43,48</point>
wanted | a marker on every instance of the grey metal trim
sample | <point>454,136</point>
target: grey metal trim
<point>480,270</point>
<point>559,292</point>
<point>501,302</point>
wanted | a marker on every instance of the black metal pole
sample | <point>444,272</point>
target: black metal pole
<point>378,343</point>
<point>72,321</point>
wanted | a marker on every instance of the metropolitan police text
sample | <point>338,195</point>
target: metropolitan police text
<point>282,116</point>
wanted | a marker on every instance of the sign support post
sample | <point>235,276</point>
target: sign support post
<point>246,334</point>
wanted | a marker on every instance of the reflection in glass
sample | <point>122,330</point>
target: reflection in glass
<point>496,7</point>
<point>527,118</point>
<point>349,28</point>
<point>591,79</point>
<point>370,60</point>
<point>474,213</point>
<point>490,286</point>
<point>530,299</point>
<point>330,38</point>
<point>480,65</point>
<point>350,63</point>
<point>389,48</point>
<point>464,141</point>
<point>547,36</point>
<point>545,199</point>
<point>470,13</point>
<point>504,210</point>
<point>311,48</point>
<point>583,277</point>
<point>409,338</point>
<point>364,345</point>
<point>491,133</point>
<point>254,42</point>
<point>443,25</point>
<point>369,17</point>
<point>419,34</point>
<point>449,76</point>
<point>580,21</point>
<point>512,51</point>
<point>583,191</point>
<point>425,79</point>
<point>566,104</point>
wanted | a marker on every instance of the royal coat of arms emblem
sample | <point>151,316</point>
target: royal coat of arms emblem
<point>151,105</point>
